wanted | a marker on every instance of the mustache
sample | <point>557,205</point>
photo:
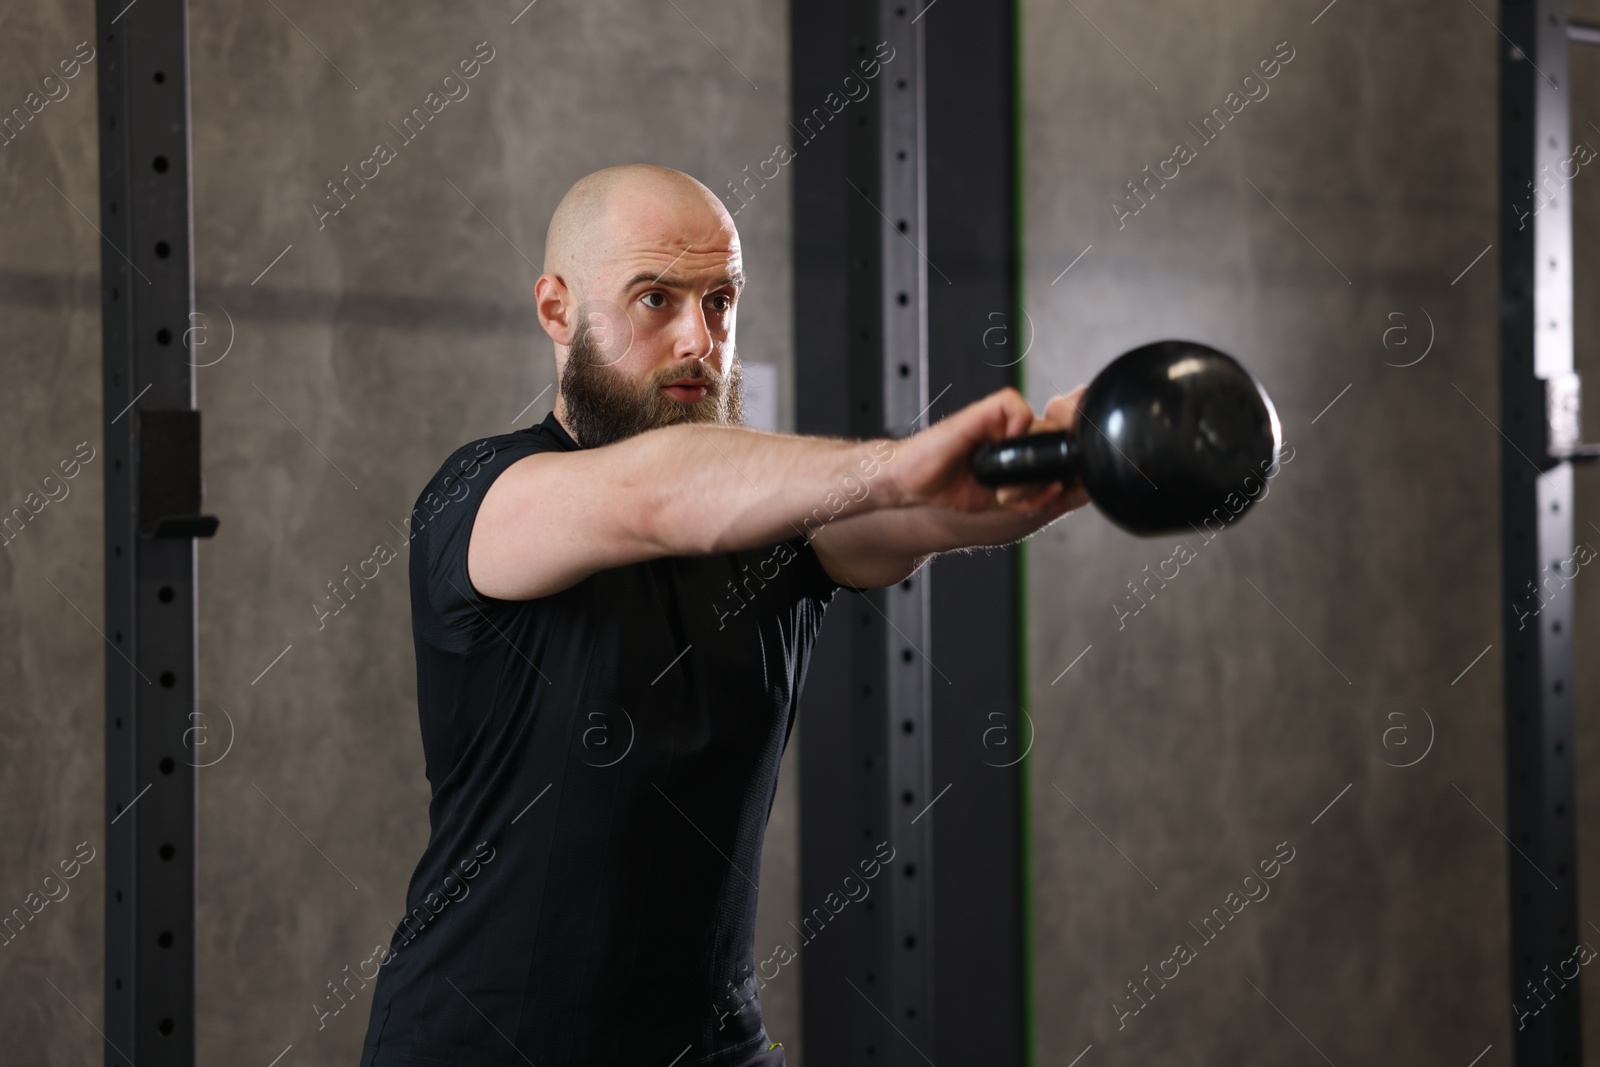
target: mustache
<point>697,373</point>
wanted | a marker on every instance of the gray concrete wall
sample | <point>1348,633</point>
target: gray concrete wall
<point>383,338</point>
<point>1249,694</point>
<point>51,655</point>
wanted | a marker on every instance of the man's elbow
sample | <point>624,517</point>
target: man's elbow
<point>652,526</point>
<point>876,573</point>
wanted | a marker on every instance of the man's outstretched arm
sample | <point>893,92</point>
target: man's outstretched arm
<point>550,520</point>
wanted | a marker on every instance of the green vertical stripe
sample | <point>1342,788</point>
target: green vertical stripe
<point>1018,209</point>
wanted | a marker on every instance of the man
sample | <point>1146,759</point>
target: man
<point>612,611</point>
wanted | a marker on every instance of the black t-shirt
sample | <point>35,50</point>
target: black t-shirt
<point>603,762</point>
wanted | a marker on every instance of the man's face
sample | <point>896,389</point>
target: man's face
<point>663,351</point>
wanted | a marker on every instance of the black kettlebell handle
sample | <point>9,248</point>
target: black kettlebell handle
<point>1038,457</point>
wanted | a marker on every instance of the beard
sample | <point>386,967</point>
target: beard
<point>604,405</point>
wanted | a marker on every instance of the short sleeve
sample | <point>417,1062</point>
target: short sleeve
<point>445,606</point>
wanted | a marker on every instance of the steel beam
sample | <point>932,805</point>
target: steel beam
<point>152,497</point>
<point>1539,419</point>
<point>899,696</point>
<point>867,759</point>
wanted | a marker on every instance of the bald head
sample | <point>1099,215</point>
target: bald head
<point>611,209</point>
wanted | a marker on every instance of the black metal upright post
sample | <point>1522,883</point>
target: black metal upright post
<point>977,336</point>
<point>898,695</point>
<point>152,502</point>
<point>1539,418</point>
<point>872,747</point>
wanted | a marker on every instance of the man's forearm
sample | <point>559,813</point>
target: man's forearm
<point>884,547</point>
<point>705,489</point>
<point>926,530</point>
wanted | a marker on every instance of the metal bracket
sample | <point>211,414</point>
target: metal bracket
<point>1563,396</point>
<point>168,445</point>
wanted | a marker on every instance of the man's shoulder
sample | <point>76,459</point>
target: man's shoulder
<point>445,606</point>
<point>492,453</point>
<point>484,450</point>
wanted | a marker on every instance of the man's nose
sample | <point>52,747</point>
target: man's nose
<point>693,334</point>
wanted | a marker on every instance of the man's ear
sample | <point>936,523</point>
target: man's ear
<point>556,309</point>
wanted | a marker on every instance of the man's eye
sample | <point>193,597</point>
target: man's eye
<point>723,303</point>
<point>661,296</point>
